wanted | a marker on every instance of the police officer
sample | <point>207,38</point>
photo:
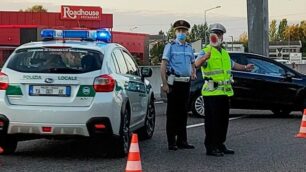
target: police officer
<point>177,68</point>
<point>216,68</point>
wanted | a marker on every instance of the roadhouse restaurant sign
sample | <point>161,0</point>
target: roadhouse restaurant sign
<point>80,13</point>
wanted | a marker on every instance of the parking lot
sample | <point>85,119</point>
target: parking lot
<point>262,141</point>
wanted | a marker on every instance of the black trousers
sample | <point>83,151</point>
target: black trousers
<point>177,112</point>
<point>216,121</point>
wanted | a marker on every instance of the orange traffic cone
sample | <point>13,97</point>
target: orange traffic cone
<point>302,133</point>
<point>134,161</point>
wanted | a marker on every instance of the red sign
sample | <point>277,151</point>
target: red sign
<point>80,13</point>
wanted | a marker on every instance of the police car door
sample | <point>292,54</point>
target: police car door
<point>136,88</point>
<point>130,86</point>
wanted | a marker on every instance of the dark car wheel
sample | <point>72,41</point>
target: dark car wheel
<point>197,106</point>
<point>281,112</point>
<point>146,132</point>
<point>8,145</point>
<point>121,144</point>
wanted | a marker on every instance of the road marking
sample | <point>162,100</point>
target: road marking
<point>159,102</point>
<point>202,124</point>
<point>195,125</point>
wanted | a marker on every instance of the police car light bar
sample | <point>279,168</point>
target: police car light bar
<point>104,35</point>
<point>97,35</point>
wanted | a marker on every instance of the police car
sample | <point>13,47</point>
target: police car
<point>74,83</point>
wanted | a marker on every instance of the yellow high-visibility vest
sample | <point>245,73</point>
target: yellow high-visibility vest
<point>218,70</point>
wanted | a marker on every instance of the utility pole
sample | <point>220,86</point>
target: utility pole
<point>258,26</point>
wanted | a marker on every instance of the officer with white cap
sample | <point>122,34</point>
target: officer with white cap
<point>177,68</point>
<point>216,67</point>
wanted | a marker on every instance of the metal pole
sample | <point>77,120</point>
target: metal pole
<point>205,11</point>
<point>232,42</point>
<point>258,26</point>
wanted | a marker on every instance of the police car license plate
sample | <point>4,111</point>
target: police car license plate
<point>39,90</point>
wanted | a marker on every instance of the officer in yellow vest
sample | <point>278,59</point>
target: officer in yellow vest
<point>216,68</point>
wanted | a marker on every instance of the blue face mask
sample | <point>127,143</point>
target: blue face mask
<point>181,36</point>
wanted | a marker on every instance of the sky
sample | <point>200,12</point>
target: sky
<point>144,16</point>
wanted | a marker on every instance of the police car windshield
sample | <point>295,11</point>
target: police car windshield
<point>55,60</point>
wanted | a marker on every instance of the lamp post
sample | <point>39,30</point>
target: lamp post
<point>205,11</point>
<point>232,42</point>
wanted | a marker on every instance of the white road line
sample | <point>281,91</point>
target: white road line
<point>159,102</point>
<point>195,125</point>
<point>201,124</point>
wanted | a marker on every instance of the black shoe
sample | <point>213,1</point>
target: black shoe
<point>185,146</point>
<point>172,147</point>
<point>226,151</point>
<point>214,152</point>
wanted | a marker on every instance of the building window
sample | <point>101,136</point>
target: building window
<point>272,50</point>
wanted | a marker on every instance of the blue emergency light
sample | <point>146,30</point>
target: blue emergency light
<point>97,35</point>
<point>104,35</point>
<point>47,33</point>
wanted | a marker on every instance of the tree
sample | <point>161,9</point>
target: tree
<point>35,8</point>
<point>156,52</point>
<point>281,29</point>
<point>198,32</point>
<point>292,33</point>
<point>194,33</point>
<point>303,36</point>
<point>302,31</point>
<point>171,33</point>
<point>243,38</point>
<point>273,31</point>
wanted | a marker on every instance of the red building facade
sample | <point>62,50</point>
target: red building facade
<point>17,28</point>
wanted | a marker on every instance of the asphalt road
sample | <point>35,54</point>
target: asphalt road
<point>262,142</point>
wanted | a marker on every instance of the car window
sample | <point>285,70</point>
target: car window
<point>55,60</point>
<point>265,67</point>
<point>121,62</point>
<point>239,58</point>
<point>132,67</point>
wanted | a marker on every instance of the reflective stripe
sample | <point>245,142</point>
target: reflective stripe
<point>220,87</point>
<point>182,79</point>
<point>224,82</point>
<point>134,147</point>
<point>303,130</point>
<point>215,72</point>
<point>133,166</point>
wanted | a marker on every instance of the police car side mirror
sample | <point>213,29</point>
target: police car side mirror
<point>146,72</point>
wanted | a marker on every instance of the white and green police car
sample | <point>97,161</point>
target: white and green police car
<point>63,87</point>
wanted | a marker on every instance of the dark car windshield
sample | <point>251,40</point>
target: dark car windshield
<point>55,60</point>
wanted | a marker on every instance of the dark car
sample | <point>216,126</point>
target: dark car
<point>270,86</point>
